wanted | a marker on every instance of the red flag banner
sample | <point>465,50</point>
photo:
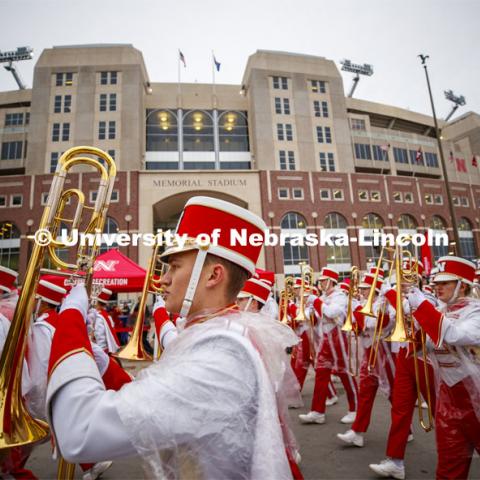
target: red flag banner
<point>426,256</point>
<point>461,165</point>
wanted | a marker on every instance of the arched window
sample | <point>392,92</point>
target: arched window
<point>468,249</point>
<point>9,245</point>
<point>162,131</point>
<point>438,226</point>
<point>407,225</point>
<point>110,227</point>
<point>337,255</point>
<point>198,131</point>
<point>371,222</point>
<point>233,131</point>
<point>295,225</point>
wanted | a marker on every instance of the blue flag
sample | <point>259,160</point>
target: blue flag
<point>217,64</point>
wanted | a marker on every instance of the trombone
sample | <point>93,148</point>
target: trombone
<point>285,296</point>
<point>17,427</point>
<point>134,349</point>
<point>348,325</point>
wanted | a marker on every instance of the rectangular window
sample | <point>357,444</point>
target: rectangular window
<point>64,79</point>
<point>398,197</point>
<point>456,201</point>
<point>111,130</point>
<point>324,109</point>
<point>67,104</point>
<point>112,154</point>
<point>429,199</point>
<point>298,193</point>
<point>286,106</point>
<point>57,104</point>
<point>278,105</point>
<point>287,160</point>
<point>93,196</point>
<point>413,157</point>
<point>408,197</point>
<point>53,161</point>
<point>400,155</point>
<point>65,132</point>
<point>324,194</point>
<point>327,162</point>
<point>280,134</point>
<point>280,83</point>
<point>320,134</point>
<point>438,199</point>
<point>363,195</point>
<point>11,151</point>
<point>358,124</point>
<point>44,198</point>
<point>375,196</point>
<point>328,135</point>
<point>3,200</point>
<point>288,132</point>
<point>112,104</point>
<point>13,119</point>
<point>115,196</point>
<point>316,108</point>
<point>318,86</point>
<point>103,102</point>
<point>337,194</point>
<point>431,159</point>
<point>108,78</point>
<point>464,201</point>
<point>363,151</point>
<point>102,130</point>
<point>283,193</point>
<point>380,152</point>
<point>55,132</point>
<point>16,200</point>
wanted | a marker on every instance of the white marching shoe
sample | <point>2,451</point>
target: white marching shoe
<point>387,468</point>
<point>351,438</point>
<point>410,438</point>
<point>312,417</point>
<point>349,417</point>
<point>94,472</point>
<point>331,401</point>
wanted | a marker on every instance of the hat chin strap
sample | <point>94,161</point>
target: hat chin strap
<point>192,285</point>
<point>455,293</point>
<point>249,302</point>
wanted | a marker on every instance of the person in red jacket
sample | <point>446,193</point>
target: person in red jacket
<point>454,329</point>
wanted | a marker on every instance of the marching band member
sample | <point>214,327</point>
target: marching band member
<point>253,296</point>
<point>405,395</point>
<point>382,372</point>
<point>104,328</point>
<point>454,329</point>
<point>271,307</point>
<point>215,389</point>
<point>332,354</point>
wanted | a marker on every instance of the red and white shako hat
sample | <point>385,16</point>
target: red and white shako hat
<point>50,292</point>
<point>367,282</point>
<point>202,216</point>
<point>345,285</point>
<point>7,279</point>
<point>455,268</point>
<point>265,276</point>
<point>298,282</point>
<point>328,274</point>
<point>221,221</point>
<point>256,289</point>
<point>104,295</point>
<point>381,272</point>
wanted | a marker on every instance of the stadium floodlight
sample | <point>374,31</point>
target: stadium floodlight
<point>21,53</point>
<point>365,69</point>
<point>459,101</point>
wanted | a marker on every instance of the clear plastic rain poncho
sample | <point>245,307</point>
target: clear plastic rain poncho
<point>214,406</point>
<point>458,357</point>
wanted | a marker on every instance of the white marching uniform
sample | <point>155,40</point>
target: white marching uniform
<point>104,337</point>
<point>211,402</point>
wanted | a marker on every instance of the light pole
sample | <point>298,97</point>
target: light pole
<point>365,69</point>
<point>456,248</point>
<point>128,219</point>
<point>30,223</point>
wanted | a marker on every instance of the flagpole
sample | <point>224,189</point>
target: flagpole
<point>442,160</point>
<point>179,75</point>
<point>213,74</point>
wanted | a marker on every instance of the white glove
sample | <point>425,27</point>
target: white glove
<point>406,307</point>
<point>386,286</point>
<point>159,303</point>
<point>101,358</point>
<point>311,298</point>
<point>78,299</point>
<point>415,298</point>
<point>92,315</point>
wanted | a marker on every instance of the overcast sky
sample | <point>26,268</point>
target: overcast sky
<point>389,34</point>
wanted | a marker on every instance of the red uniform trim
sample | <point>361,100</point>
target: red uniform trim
<point>106,316</point>
<point>70,337</point>
<point>391,296</point>
<point>115,376</point>
<point>430,319</point>
<point>318,306</point>
<point>359,319</point>
<point>160,316</point>
<point>52,317</point>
